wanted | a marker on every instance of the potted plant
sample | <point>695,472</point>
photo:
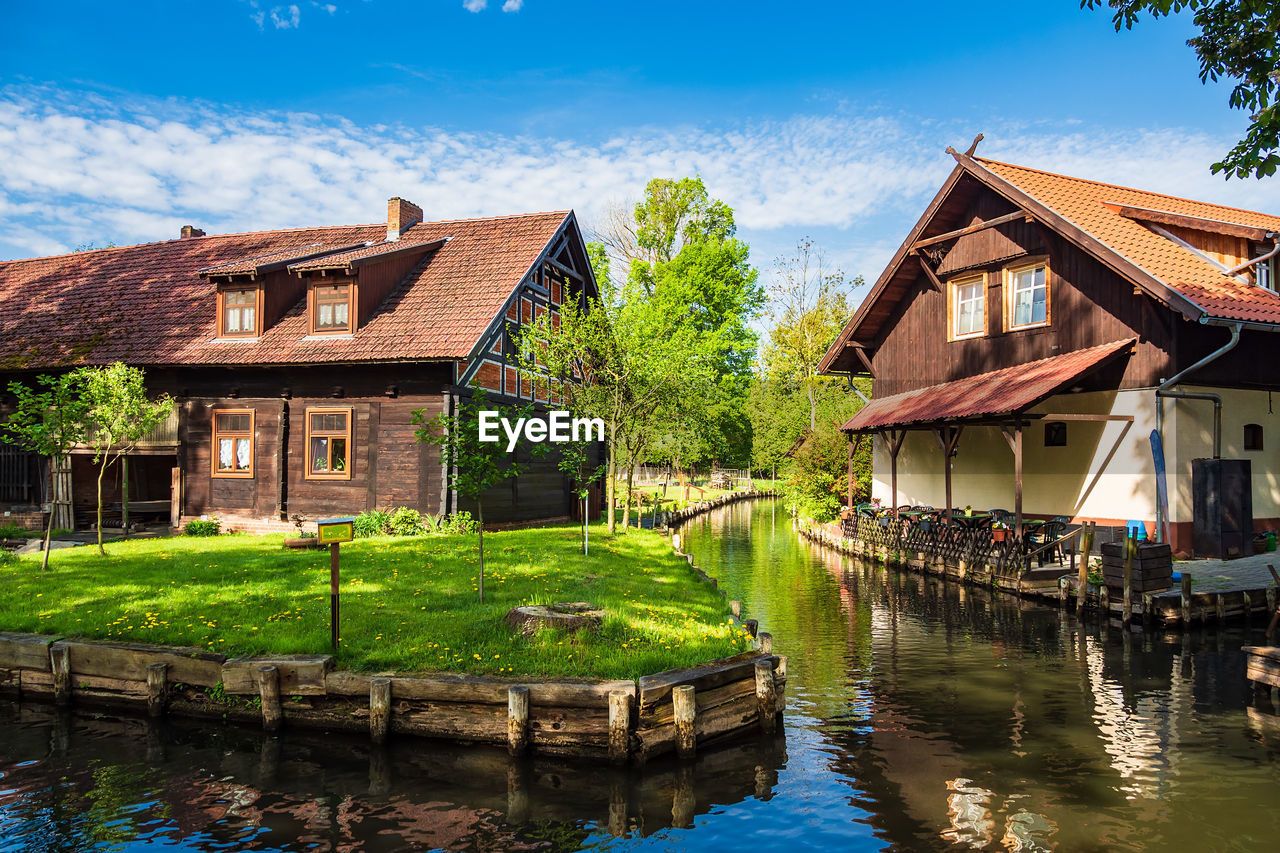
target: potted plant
<point>999,531</point>
<point>300,538</point>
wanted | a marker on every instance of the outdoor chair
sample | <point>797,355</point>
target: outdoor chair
<point>999,514</point>
<point>1050,531</point>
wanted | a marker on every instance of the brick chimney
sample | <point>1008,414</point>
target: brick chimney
<point>189,231</point>
<point>400,215</point>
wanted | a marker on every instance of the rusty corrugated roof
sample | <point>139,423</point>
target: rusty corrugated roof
<point>1011,389</point>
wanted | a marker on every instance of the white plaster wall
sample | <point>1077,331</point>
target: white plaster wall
<point>1194,437</point>
<point>1105,471</point>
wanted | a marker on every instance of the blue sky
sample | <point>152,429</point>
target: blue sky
<point>121,122</point>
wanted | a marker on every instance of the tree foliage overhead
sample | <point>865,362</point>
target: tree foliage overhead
<point>1239,40</point>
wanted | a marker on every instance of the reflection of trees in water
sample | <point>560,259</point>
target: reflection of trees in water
<point>72,782</point>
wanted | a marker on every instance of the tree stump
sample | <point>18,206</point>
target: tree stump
<point>564,616</point>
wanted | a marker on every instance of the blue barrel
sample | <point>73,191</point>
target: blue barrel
<point>1136,529</point>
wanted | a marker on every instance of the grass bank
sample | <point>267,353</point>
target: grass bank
<point>408,604</point>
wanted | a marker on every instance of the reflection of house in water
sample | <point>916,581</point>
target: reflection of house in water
<point>993,722</point>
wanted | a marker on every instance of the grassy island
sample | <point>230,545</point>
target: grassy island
<point>409,604</point>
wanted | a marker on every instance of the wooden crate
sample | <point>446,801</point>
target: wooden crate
<point>1152,568</point>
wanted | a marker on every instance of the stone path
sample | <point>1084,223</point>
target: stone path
<point>1228,575</point>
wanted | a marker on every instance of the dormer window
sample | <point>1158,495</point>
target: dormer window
<point>239,312</point>
<point>1265,271</point>
<point>331,309</point>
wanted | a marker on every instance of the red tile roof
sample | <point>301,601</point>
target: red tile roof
<point>363,254</point>
<point>148,305</point>
<point>999,392</point>
<point>1084,204</point>
<point>256,264</point>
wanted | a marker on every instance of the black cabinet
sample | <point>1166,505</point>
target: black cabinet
<point>1222,507</point>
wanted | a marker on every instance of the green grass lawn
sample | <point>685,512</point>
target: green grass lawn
<point>675,493</point>
<point>408,604</point>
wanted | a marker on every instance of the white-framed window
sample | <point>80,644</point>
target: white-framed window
<point>1027,295</point>
<point>968,307</point>
<point>1266,273</point>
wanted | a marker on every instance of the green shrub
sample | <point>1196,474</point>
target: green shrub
<point>13,531</point>
<point>407,521</point>
<point>375,522</point>
<point>7,557</point>
<point>459,523</point>
<point>203,527</point>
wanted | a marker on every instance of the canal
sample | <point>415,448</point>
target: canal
<point>921,715</point>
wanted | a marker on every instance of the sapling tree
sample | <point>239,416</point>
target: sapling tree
<point>575,463</point>
<point>49,421</point>
<point>475,466</point>
<point>118,414</point>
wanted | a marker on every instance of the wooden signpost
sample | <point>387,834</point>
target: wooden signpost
<point>333,532</point>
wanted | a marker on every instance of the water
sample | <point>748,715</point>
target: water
<point>921,716</point>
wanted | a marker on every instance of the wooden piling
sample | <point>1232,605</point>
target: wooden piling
<point>619,726</point>
<point>1186,600</point>
<point>1220,607</point>
<point>1148,606</point>
<point>766,696</point>
<point>157,688</point>
<point>781,672</point>
<point>766,642</point>
<point>517,719</point>
<point>379,709</point>
<point>752,626</point>
<point>735,607</point>
<point>682,701</point>
<point>60,663</point>
<point>1126,607</point>
<point>269,692</point>
<point>1082,579</point>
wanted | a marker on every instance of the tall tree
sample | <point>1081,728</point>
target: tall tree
<point>475,466</point>
<point>118,414</point>
<point>49,421</point>
<point>1239,40</point>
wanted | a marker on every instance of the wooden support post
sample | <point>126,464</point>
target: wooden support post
<point>379,709</point>
<point>765,640</point>
<point>333,596</point>
<point>1186,601</point>
<point>157,688</point>
<point>269,692</point>
<point>1082,582</point>
<point>60,663</point>
<point>735,607</point>
<point>517,719</point>
<point>781,673</point>
<point>1220,607</point>
<point>766,696</point>
<point>1015,444</point>
<point>682,701</point>
<point>752,626</point>
<point>1148,606</point>
<point>619,726</point>
<point>1126,608</point>
<point>894,441</point>
<point>175,497</point>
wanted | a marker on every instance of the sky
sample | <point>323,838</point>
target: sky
<point>121,122</point>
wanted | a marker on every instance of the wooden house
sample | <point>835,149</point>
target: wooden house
<point>296,359</point>
<point>1034,331</point>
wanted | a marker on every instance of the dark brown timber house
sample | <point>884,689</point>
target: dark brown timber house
<point>296,358</point>
<point>1054,346</point>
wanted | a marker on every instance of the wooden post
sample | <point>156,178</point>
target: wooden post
<point>333,596</point>
<point>157,688</point>
<point>1148,610</point>
<point>124,495</point>
<point>781,672</point>
<point>619,726</point>
<point>1186,601</point>
<point>1220,607</point>
<point>766,642</point>
<point>766,696</point>
<point>682,701</point>
<point>60,663</point>
<point>1082,588</point>
<point>855,444</point>
<point>735,607</point>
<point>379,709</point>
<point>752,626</point>
<point>269,692</point>
<point>1126,608</point>
<point>948,437</point>
<point>517,719</point>
<point>895,444</point>
<point>175,496</point>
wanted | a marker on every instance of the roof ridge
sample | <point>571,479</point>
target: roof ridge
<point>1123,187</point>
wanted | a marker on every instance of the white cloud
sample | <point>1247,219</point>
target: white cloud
<point>79,168</point>
<point>475,5</point>
<point>286,17</point>
<point>513,5</point>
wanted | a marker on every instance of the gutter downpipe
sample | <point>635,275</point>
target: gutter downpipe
<point>1165,390</point>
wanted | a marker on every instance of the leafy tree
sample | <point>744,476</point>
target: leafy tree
<point>1240,40</point>
<point>575,463</point>
<point>118,414</point>
<point>476,466</point>
<point>49,422</point>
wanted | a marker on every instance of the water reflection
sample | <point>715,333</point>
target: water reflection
<point>74,781</point>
